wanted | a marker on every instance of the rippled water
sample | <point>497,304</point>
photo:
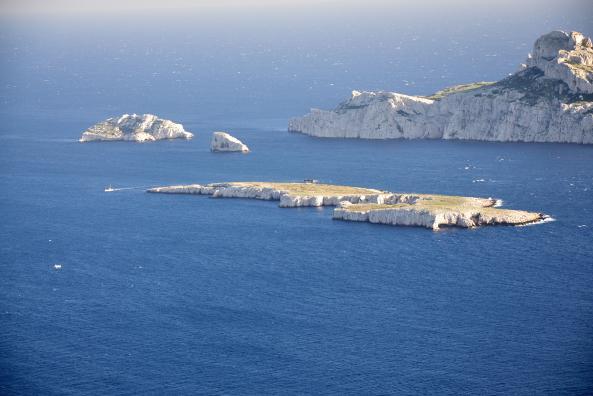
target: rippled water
<point>128,292</point>
<point>189,293</point>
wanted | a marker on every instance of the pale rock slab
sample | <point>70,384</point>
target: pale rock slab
<point>223,142</point>
<point>135,128</point>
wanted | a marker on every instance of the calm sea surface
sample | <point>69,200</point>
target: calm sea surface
<point>187,294</point>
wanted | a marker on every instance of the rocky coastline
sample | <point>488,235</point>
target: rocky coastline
<point>364,204</point>
<point>549,99</point>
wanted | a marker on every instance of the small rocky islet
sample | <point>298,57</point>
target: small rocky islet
<point>370,205</point>
<point>149,128</point>
<point>224,142</point>
<point>135,128</point>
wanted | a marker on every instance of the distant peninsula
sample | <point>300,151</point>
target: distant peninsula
<point>370,205</point>
<point>550,99</point>
<point>135,128</point>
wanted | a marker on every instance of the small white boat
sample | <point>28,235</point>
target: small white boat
<point>57,266</point>
<point>109,189</point>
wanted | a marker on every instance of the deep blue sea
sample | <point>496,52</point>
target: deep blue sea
<point>176,294</point>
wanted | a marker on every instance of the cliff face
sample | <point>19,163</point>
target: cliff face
<point>423,216</point>
<point>137,128</point>
<point>550,99</point>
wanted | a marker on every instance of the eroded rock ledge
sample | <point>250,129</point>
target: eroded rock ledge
<point>371,205</point>
<point>550,99</point>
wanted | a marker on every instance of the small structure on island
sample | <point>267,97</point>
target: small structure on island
<point>223,142</point>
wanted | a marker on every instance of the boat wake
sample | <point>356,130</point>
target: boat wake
<point>111,189</point>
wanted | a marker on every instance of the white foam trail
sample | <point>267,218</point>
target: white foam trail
<point>127,188</point>
<point>546,219</point>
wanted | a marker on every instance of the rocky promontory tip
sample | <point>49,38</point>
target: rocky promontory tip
<point>550,99</point>
<point>135,128</point>
<point>223,142</point>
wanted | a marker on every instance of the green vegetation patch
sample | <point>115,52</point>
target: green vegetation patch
<point>580,66</point>
<point>458,89</point>
<point>535,88</point>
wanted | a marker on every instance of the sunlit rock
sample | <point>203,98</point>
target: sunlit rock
<point>363,204</point>
<point>222,141</point>
<point>550,99</point>
<point>136,128</point>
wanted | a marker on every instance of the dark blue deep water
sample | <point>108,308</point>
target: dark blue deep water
<point>186,294</point>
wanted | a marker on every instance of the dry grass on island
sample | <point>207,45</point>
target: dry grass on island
<point>310,188</point>
<point>458,89</point>
<point>370,205</point>
<point>436,211</point>
<point>431,202</point>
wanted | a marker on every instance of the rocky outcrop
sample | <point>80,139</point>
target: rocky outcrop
<point>549,100</point>
<point>136,128</point>
<point>358,204</point>
<point>435,218</point>
<point>223,142</point>
<point>567,57</point>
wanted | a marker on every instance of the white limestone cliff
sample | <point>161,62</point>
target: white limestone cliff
<point>136,128</point>
<point>222,141</point>
<point>412,215</point>
<point>549,100</point>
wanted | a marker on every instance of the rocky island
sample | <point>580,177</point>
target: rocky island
<point>371,205</point>
<point>135,128</point>
<point>223,142</point>
<point>550,99</point>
